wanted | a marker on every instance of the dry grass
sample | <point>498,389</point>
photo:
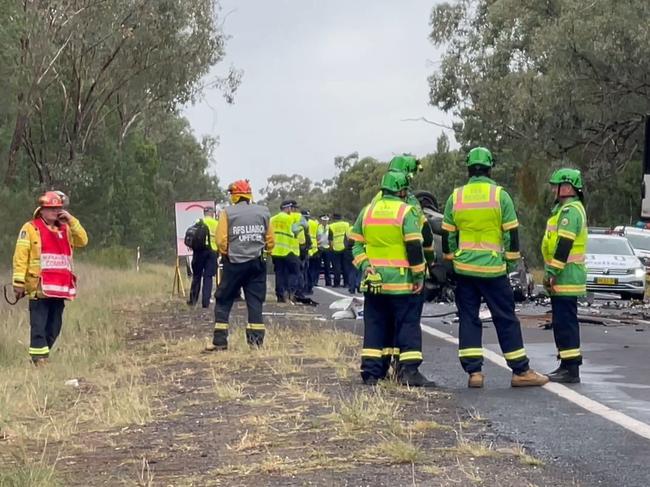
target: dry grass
<point>399,450</point>
<point>36,405</point>
<point>364,411</point>
<point>526,458</point>
<point>227,390</point>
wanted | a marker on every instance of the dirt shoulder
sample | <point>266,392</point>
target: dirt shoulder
<point>293,413</point>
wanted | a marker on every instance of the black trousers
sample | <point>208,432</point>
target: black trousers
<point>287,274</point>
<point>314,270</point>
<point>204,268</point>
<point>386,316</point>
<point>326,258</point>
<point>45,320</point>
<point>251,276</point>
<point>337,266</point>
<point>566,329</point>
<point>501,302</point>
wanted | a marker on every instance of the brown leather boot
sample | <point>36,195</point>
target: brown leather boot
<point>40,362</point>
<point>530,378</point>
<point>476,380</point>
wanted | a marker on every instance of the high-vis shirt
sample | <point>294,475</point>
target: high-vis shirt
<point>381,234</point>
<point>478,220</point>
<point>338,231</point>
<point>567,227</point>
<point>212,224</point>
<point>285,228</point>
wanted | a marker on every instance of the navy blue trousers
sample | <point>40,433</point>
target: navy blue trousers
<point>566,329</point>
<point>387,317</point>
<point>204,268</point>
<point>498,296</point>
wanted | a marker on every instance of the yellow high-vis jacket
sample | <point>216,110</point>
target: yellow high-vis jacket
<point>27,256</point>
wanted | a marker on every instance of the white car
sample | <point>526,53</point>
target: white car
<point>639,239</point>
<point>612,267</point>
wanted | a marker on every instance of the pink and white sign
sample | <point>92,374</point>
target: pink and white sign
<point>187,213</point>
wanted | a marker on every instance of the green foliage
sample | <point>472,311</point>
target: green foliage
<point>114,256</point>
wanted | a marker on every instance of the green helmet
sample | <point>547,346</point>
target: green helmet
<point>567,175</point>
<point>405,163</point>
<point>480,156</point>
<point>394,181</point>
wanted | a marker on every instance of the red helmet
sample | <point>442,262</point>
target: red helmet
<point>51,199</point>
<point>241,186</point>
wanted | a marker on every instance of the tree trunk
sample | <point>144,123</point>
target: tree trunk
<point>16,141</point>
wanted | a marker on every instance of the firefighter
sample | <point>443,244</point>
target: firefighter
<point>286,252</point>
<point>338,229</point>
<point>243,234</point>
<point>42,270</point>
<point>324,249</point>
<point>388,252</point>
<point>204,263</point>
<point>565,274</point>
<point>480,236</point>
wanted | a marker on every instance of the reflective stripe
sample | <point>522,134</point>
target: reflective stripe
<point>570,353</point>
<point>480,246</point>
<point>388,351</point>
<point>356,237</point>
<point>480,268</point>
<point>23,243</point>
<point>515,354</point>
<point>413,355</point>
<point>418,268</point>
<point>573,259</point>
<point>510,225</point>
<point>566,234</point>
<point>59,289</point>
<point>557,263</point>
<point>570,288</point>
<point>396,287</point>
<point>39,351</point>
<point>399,218</point>
<point>409,237</point>
<point>371,352</point>
<point>448,226</point>
<point>470,352</point>
<point>221,326</point>
<point>551,228</point>
<point>490,203</point>
<point>390,262</point>
<point>255,326</point>
<point>359,259</point>
<point>513,255</point>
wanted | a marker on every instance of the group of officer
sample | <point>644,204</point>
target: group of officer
<point>480,237</point>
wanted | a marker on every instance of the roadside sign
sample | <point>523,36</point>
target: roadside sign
<point>187,213</point>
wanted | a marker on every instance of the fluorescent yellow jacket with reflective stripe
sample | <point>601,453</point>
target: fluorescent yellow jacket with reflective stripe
<point>212,224</point>
<point>285,241</point>
<point>384,241</point>
<point>477,215</point>
<point>572,275</point>
<point>27,256</point>
<point>313,234</point>
<point>339,230</point>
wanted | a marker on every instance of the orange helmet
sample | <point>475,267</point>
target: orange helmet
<point>51,199</point>
<point>240,187</point>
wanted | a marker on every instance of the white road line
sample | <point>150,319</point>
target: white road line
<point>635,426</point>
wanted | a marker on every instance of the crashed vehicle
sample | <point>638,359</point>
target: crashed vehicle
<point>639,239</point>
<point>612,267</point>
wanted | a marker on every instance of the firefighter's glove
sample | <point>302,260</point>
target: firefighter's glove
<point>372,284</point>
<point>549,282</point>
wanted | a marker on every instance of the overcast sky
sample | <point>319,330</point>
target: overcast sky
<point>321,78</point>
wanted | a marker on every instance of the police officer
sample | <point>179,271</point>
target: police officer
<point>388,251</point>
<point>243,234</point>
<point>324,249</point>
<point>313,265</point>
<point>563,249</point>
<point>204,263</point>
<point>338,229</point>
<point>480,236</point>
<point>286,253</point>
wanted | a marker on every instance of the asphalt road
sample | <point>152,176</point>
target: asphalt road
<point>592,449</point>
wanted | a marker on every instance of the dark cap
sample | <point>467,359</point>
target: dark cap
<point>286,204</point>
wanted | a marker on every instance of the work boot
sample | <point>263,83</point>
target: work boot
<point>215,348</point>
<point>40,362</point>
<point>565,374</point>
<point>530,378</point>
<point>476,380</point>
<point>413,378</point>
